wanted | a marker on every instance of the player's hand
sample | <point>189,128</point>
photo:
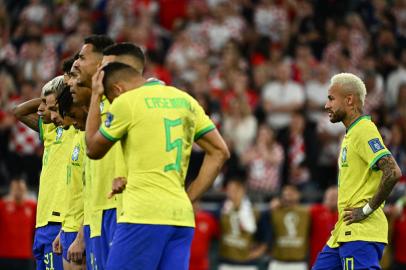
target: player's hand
<point>352,215</point>
<point>118,186</point>
<point>97,83</point>
<point>76,251</point>
<point>56,244</point>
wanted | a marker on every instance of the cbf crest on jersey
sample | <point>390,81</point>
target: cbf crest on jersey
<point>59,132</point>
<point>344,162</point>
<point>109,119</point>
<point>75,153</point>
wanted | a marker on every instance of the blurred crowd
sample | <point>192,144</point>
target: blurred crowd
<point>260,68</point>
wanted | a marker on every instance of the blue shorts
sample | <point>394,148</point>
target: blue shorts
<point>150,247</point>
<point>90,260</point>
<point>67,239</point>
<point>101,244</point>
<point>350,255</point>
<point>42,248</point>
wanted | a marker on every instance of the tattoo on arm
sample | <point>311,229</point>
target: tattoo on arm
<point>390,176</point>
<point>31,121</point>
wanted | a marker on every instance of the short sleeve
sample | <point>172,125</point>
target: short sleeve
<point>370,146</point>
<point>203,122</point>
<point>117,120</point>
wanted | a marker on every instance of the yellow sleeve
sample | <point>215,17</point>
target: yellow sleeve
<point>203,122</point>
<point>117,120</point>
<point>370,145</point>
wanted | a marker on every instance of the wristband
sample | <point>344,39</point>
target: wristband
<point>367,209</point>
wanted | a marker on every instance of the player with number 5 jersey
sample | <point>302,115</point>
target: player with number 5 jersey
<point>157,126</point>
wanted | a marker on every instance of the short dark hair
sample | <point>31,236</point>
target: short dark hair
<point>99,42</point>
<point>67,65</point>
<point>126,48</point>
<point>115,69</point>
<point>65,101</point>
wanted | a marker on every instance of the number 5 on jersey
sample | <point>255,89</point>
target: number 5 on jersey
<point>172,145</point>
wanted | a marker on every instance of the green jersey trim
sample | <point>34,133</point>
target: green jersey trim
<point>107,136</point>
<point>41,131</point>
<point>202,132</point>
<point>152,83</point>
<point>372,165</point>
<point>357,120</point>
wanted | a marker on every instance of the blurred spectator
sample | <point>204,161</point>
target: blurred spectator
<point>316,92</point>
<point>395,79</point>
<point>206,229</point>
<point>264,161</point>
<point>399,236</point>
<point>239,125</point>
<point>35,12</point>
<point>299,144</point>
<point>290,223</point>
<point>242,238</point>
<point>397,146</point>
<point>17,224</point>
<point>281,98</point>
<point>323,218</point>
<point>24,144</point>
<point>304,63</point>
<point>375,94</point>
<point>329,136</point>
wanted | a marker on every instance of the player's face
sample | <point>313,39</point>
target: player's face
<point>87,63</point>
<point>80,93</point>
<point>43,111</point>
<point>78,116</point>
<point>335,105</point>
<point>56,118</point>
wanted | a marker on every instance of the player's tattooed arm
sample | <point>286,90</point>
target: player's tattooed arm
<point>391,175</point>
<point>27,113</point>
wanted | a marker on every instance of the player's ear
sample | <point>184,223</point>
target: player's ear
<point>350,99</point>
<point>117,89</point>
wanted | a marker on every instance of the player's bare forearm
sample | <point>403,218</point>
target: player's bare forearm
<point>391,175</point>
<point>216,154</point>
<point>27,113</point>
<point>93,122</point>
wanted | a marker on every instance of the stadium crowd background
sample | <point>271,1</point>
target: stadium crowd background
<point>260,68</point>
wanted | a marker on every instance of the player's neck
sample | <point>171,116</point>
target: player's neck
<point>351,118</point>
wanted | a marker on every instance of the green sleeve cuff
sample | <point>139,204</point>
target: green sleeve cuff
<point>107,136</point>
<point>372,165</point>
<point>202,132</point>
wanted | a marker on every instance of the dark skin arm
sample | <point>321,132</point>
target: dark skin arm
<point>391,175</point>
<point>27,113</point>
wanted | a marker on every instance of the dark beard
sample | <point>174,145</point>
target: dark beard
<point>337,116</point>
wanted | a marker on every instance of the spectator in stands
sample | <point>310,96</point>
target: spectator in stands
<point>243,237</point>
<point>264,161</point>
<point>206,230</point>
<point>395,79</point>
<point>323,218</point>
<point>17,223</point>
<point>290,225</point>
<point>299,144</point>
<point>316,89</point>
<point>399,236</point>
<point>397,146</point>
<point>239,125</point>
<point>375,93</point>
<point>281,98</point>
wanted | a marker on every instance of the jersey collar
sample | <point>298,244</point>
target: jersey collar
<point>357,120</point>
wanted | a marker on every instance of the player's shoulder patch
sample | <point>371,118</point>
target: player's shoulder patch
<point>375,145</point>
<point>109,119</point>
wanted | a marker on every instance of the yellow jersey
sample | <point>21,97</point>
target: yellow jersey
<point>102,172</point>
<point>52,186</point>
<point>74,181</point>
<point>157,126</point>
<point>358,181</point>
